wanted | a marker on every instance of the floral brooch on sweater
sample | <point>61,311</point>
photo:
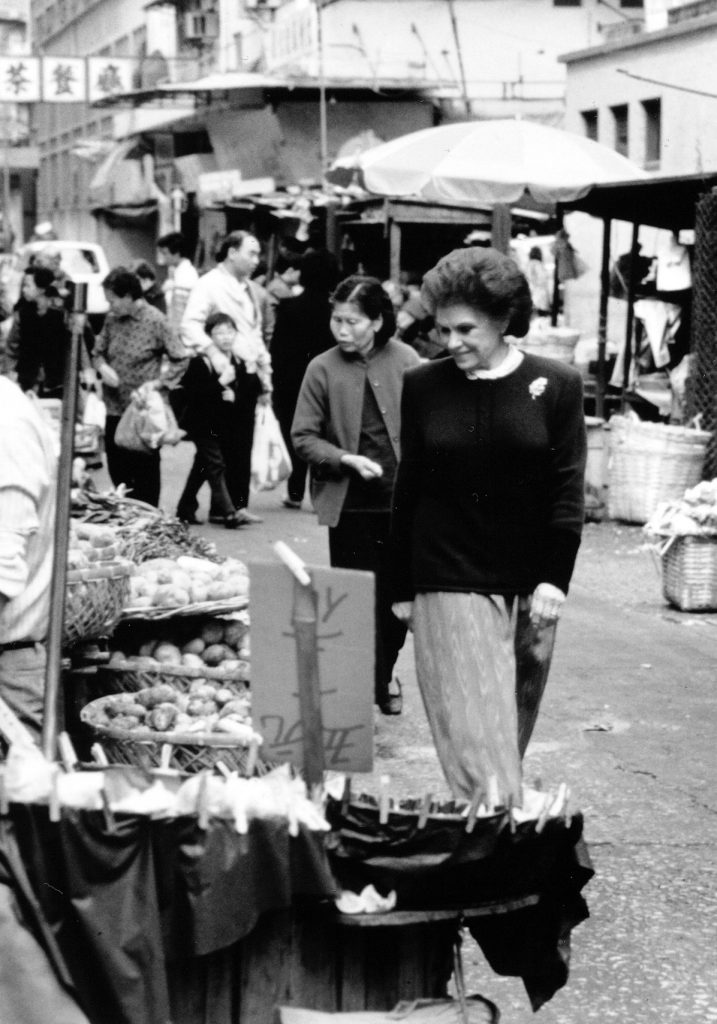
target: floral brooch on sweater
<point>537,387</point>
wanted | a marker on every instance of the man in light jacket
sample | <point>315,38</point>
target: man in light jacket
<point>228,288</point>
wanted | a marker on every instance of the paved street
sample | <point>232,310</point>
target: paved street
<point>628,722</point>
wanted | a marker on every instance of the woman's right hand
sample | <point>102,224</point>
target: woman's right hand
<point>367,469</point>
<point>108,375</point>
<point>403,610</point>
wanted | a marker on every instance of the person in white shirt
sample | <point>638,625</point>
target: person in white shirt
<point>28,495</point>
<point>181,276</point>
<point>228,289</point>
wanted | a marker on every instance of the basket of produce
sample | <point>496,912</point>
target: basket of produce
<point>142,530</point>
<point>202,728</point>
<point>97,583</point>
<point>178,651</point>
<point>94,599</point>
<point>687,529</point>
<point>689,573</point>
<point>164,587</point>
<point>650,463</point>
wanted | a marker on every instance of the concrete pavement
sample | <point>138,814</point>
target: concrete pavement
<point>628,721</point>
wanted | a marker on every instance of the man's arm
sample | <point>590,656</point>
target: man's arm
<point>198,308</point>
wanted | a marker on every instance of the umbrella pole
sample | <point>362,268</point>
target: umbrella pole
<point>59,561</point>
<point>555,305</point>
<point>601,383</point>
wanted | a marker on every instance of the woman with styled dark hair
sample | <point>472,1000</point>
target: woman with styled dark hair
<point>487,518</point>
<point>346,427</point>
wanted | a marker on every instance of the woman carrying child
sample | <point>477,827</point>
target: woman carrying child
<point>219,419</point>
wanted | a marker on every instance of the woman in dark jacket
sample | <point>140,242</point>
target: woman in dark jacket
<point>346,427</point>
<point>487,518</point>
<point>301,332</point>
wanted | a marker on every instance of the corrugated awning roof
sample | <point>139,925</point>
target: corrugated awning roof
<point>655,202</point>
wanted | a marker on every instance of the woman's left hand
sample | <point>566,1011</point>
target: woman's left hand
<point>545,604</point>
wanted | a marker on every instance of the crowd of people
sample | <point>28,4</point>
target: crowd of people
<point>440,456</point>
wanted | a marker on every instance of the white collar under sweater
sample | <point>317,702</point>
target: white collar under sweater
<point>513,359</point>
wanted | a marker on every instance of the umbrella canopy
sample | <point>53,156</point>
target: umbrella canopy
<point>483,163</point>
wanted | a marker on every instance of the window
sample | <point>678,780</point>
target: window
<point>567,3</point>
<point>653,132</point>
<point>619,116</point>
<point>632,3</point>
<point>590,124</point>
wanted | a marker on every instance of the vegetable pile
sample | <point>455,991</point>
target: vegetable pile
<point>206,708</point>
<point>695,514</point>
<point>177,583</point>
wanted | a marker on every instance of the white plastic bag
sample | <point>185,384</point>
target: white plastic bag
<point>270,462</point>
<point>95,412</point>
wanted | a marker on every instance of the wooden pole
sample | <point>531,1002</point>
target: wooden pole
<point>62,527</point>
<point>307,660</point>
<point>555,306</point>
<point>601,382</point>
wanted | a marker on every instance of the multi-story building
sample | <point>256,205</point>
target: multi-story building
<point>651,93</point>
<point>274,88</point>
<point>19,158</point>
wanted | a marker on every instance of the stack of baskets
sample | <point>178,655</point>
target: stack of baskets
<point>650,463</point>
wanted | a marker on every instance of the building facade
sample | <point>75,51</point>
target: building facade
<point>651,95</point>
<point>274,89</point>
<point>19,158</point>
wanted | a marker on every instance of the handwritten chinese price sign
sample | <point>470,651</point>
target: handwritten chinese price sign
<point>346,647</point>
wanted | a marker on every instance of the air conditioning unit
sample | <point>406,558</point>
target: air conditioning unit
<point>201,25</point>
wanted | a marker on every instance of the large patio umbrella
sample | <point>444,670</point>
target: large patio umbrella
<point>485,163</point>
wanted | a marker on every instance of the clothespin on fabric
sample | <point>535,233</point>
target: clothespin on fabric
<point>251,759</point>
<point>511,819</point>
<point>425,810</point>
<point>98,755</point>
<point>384,800</point>
<point>222,769</point>
<point>473,810</point>
<point>493,796</point>
<point>203,801</point>
<point>110,823</point>
<point>54,803</point>
<point>165,756</point>
<point>67,752</point>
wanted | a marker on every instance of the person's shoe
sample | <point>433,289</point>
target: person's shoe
<point>232,522</point>
<point>217,520</point>
<point>246,517</point>
<point>290,503</point>
<point>392,704</point>
<point>189,520</point>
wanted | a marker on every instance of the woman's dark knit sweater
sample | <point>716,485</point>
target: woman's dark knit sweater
<point>489,495</point>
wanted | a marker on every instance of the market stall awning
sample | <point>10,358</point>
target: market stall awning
<point>655,202</point>
<point>486,163</point>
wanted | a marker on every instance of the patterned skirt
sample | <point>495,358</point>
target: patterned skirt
<point>482,667</point>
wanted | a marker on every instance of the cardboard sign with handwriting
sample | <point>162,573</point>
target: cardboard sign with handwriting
<point>345,631</point>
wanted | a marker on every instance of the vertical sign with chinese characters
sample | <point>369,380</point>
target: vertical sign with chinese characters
<point>63,79</point>
<point>19,79</point>
<point>346,649</point>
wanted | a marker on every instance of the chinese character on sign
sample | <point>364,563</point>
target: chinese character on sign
<point>63,79</point>
<point>16,79</point>
<point>107,77</point>
<point>19,79</point>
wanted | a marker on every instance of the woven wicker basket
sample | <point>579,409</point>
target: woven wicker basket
<point>126,677</point>
<point>689,573</point>
<point>554,343</point>
<point>650,463</point>
<point>193,752</point>
<point>94,599</point>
